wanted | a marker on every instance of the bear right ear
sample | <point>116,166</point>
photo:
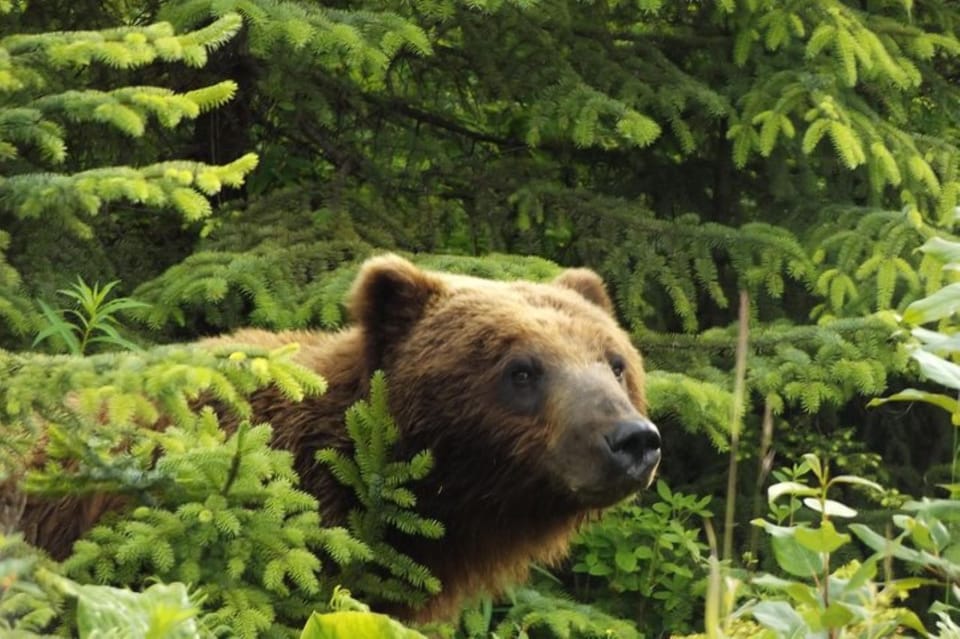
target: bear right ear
<point>588,284</point>
<point>388,297</point>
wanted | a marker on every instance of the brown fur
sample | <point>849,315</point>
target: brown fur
<point>506,484</point>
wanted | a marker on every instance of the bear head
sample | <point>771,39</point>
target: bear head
<point>530,395</point>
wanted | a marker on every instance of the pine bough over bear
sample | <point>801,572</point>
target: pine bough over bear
<point>530,397</point>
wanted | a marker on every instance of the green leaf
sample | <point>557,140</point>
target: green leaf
<point>162,611</point>
<point>798,591</point>
<point>942,303</point>
<point>866,572</point>
<point>931,537</point>
<point>789,488</point>
<point>780,617</point>
<point>936,342</point>
<point>112,337</point>
<point>356,625</point>
<point>944,250</point>
<point>945,402</point>
<point>626,560</point>
<point>856,481</point>
<point>791,556</point>
<point>837,615</point>
<point>829,507</point>
<point>823,539</point>
<point>908,618</point>
<point>56,325</point>
<point>815,466</point>
<point>948,509</point>
<point>937,369</point>
<point>883,545</point>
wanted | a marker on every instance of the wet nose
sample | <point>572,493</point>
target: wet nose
<point>635,439</point>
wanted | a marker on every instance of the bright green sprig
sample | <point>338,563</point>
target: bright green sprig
<point>384,500</point>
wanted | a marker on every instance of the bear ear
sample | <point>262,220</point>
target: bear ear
<point>588,284</point>
<point>388,297</point>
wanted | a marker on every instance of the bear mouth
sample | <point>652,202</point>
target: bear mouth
<point>641,470</point>
<point>625,474</point>
<point>635,473</point>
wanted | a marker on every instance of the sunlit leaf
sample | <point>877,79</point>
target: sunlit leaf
<point>824,539</point>
<point>942,303</point>
<point>356,625</point>
<point>945,402</point>
<point>937,369</point>
<point>829,507</point>
<point>789,488</point>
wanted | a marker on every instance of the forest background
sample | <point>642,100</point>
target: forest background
<point>181,168</point>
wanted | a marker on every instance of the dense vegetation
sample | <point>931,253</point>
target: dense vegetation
<point>180,168</point>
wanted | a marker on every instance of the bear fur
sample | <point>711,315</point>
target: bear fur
<point>529,396</point>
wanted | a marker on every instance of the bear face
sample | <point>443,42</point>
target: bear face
<point>533,386</point>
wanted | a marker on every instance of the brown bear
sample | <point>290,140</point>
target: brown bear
<point>529,396</point>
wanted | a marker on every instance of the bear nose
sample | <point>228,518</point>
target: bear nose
<point>637,439</point>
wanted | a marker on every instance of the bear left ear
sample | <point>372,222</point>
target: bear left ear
<point>588,284</point>
<point>388,297</point>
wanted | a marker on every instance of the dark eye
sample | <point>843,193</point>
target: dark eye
<point>522,385</point>
<point>522,374</point>
<point>618,366</point>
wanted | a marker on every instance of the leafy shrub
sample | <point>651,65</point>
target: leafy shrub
<point>646,561</point>
<point>814,597</point>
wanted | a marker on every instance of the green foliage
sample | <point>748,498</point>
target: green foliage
<point>227,517</point>
<point>535,614</point>
<point>541,612</point>
<point>210,506</point>
<point>281,264</point>
<point>645,561</point>
<point>815,596</point>
<point>43,111</point>
<point>15,309</point>
<point>34,595</point>
<point>798,151</point>
<point>178,185</point>
<point>30,601</point>
<point>159,612</point>
<point>360,43</point>
<point>701,407</point>
<point>94,319</point>
<point>112,402</point>
<point>932,351</point>
<point>868,250</point>
<point>385,501</point>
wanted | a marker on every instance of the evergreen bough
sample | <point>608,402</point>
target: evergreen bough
<point>45,179</point>
<point>385,501</point>
<point>229,520</point>
<point>216,509</point>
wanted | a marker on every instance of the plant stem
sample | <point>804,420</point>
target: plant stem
<point>711,613</point>
<point>764,463</point>
<point>739,391</point>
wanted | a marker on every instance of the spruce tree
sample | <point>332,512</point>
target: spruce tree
<point>62,90</point>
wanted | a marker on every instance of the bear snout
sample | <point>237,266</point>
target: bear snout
<point>635,446</point>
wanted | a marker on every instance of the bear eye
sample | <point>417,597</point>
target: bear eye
<point>618,366</point>
<point>522,384</point>
<point>523,373</point>
<point>522,376</point>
